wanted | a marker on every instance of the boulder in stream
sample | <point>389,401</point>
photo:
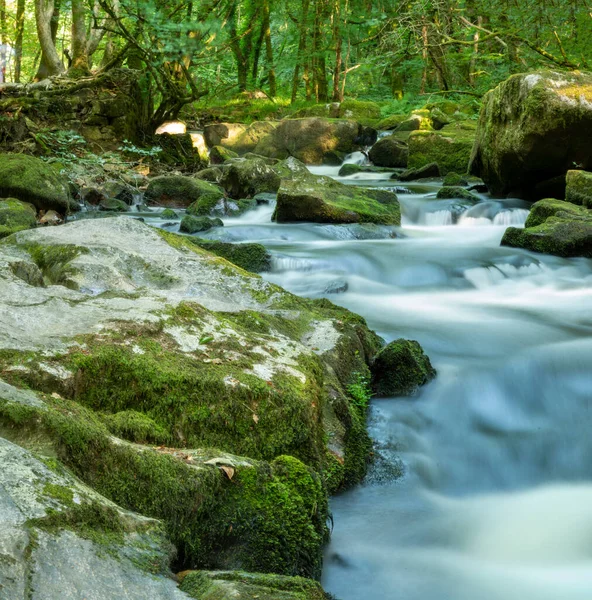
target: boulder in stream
<point>534,127</point>
<point>389,152</point>
<point>323,200</point>
<point>178,191</point>
<point>400,368</point>
<point>554,227</point>
<point>193,224</point>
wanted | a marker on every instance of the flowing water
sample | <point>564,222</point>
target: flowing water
<point>495,497</point>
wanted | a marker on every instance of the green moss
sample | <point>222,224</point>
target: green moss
<point>453,179</point>
<point>169,213</point>
<point>136,427</point>
<point>54,262</point>
<point>177,191</point>
<point>191,224</point>
<point>219,155</point>
<point>400,368</point>
<point>251,257</point>
<point>390,122</point>
<point>579,188</point>
<point>15,216</point>
<point>59,492</point>
<point>456,192</point>
<point>450,147</point>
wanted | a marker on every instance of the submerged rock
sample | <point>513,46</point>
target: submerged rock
<point>400,368</point>
<point>193,224</point>
<point>324,200</point>
<point>16,216</point>
<point>456,192</point>
<point>533,127</point>
<point>32,180</point>
<point>554,227</point>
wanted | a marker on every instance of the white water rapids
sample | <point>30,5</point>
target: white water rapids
<point>495,497</point>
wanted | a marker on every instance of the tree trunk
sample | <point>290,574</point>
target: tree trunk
<point>47,16</point>
<point>320,64</point>
<point>79,66</point>
<point>4,49</point>
<point>338,46</point>
<point>301,50</point>
<point>18,42</point>
<point>269,50</point>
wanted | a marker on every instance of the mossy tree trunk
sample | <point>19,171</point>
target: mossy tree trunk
<point>47,16</point>
<point>79,66</point>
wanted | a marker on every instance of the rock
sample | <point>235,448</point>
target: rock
<point>334,158</point>
<point>579,188</point>
<point>367,137</point>
<point>400,368</point>
<point>455,180</point>
<point>92,196</point>
<point>310,140</point>
<point>251,257</point>
<point>324,200</point>
<point>211,174</point>
<point>389,152</point>
<point>178,191</point>
<point>113,205</point>
<point>15,216</point>
<point>456,192</point>
<point>29,179</point>
<point>192,224</point>
<point>237,585</point>
<point>51,217</point>
<point>391,122</point>
<point>168,213</point>
<point>439,118</point>
<point>450,147</point>
<point>246,178</point>
<point>554,227</point>
<point>222,134</point>
<point>219,155</point>
<point>425,172</point>
<point>238,138</point>
<point>119,191</point>
<point>353,169</point>
<point>141,333</point>
<point>418,121</point>
<point>337,287</point>
<point>362,111</point>
<point>533,127</point>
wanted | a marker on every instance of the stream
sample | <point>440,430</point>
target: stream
<point>495,497</point>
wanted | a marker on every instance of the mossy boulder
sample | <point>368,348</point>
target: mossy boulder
<point>428,171</point>
<point>29,179</point>
<point>554,227</point>
<point>238,585</point>
<point>400,368</point>
<point>251,257</point>
<point>362,111</point>
<point>245,178</point>
<point>310,140</point>
<point>223,134</point>
<point>389,152</point>
<point>419,120</point>
<point>533,127</point>
<point>324,200</point>
<point>220,154</point>
<point>16,216</point>
<point>178,191</point>
<point>579,188</point>
<point>391,122</point>
<point>450,147</point>
<point>455,179</point>
<point>192,224</point>
<point>169,213</point>
<point>456,192</point>
<point>113,205</point>
<point>237,137</point>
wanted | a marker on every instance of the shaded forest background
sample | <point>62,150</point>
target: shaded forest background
<point>295,51</point>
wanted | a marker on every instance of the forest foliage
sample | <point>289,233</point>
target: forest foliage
<point>295,50</point>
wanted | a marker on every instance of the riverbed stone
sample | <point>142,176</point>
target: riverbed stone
<point>579,188</point>
<point>16,216</point>
<point>179,191</point>
<point>400,368</point>
<point>533,127</point>
<point>456,192</point>
<point>245,178</point>
<point>193,224</point>
<point>554,227</point>
<point>324,200</point>
<point>32,180</point>
<point>389,152</point>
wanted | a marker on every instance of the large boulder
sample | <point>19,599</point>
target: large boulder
<point>533,127</point>
<point>178,191</point>
<point>237,137</point>
<point>400,368</point>
<point>579,188</point>
<point>32,180</point>
<point>15,216</point>
<point>245,178</point>
<point>324,200</point>
<point>310,140</point>
<point>554,227</point>
<point>389,152</point>
<point>450,148</point>
<point>193,224</point>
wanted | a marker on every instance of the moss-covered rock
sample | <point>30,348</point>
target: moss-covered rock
<point>323,200</point>
<point>554,227</point>
<point>237,137</point>
<point>579,188</point>
<point>192,224</point>
<point>310,140</point>
<point>453,179</point>
<point>223,134</point>
<point>419,120</point>
<point>251,257</point>
<point>349,169</point>
<point>400,368</point>
<point>231,585</point>
<point>16,216</point>
<point>456,192</point>
<point>391,122</point>
<point>220,154</point>
<point>533,127</point>
<point>178,191</point>
<point>32,180</point>
<point>426,172</point>
<point>113,205</point>
<point>362,111</point>
<point>169,213</point>
<point>450,147</point>
<point>389,152</point>
<point>245,178</point>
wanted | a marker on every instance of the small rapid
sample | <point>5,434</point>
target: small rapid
<point>494,500</point>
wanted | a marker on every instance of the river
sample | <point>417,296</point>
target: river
<point>495,497</point>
